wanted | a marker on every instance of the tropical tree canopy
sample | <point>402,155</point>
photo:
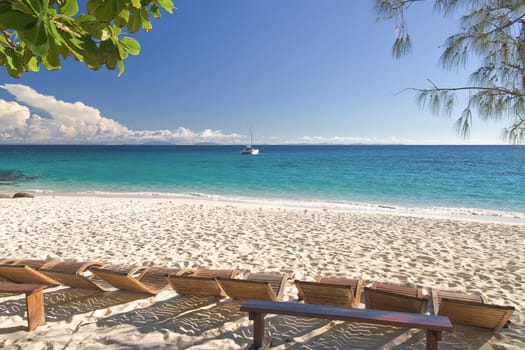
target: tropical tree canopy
<point>492,32</point>
<point>41,32</point>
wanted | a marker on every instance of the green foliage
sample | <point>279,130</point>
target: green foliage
<point>45,32</point>
<point>492,31</point>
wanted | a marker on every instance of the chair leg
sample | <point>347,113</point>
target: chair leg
<point>35,309</point>
<point>432,339</point>
<point>260,342</point>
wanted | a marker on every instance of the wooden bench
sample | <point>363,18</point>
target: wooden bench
<point>34,300</point>
<point>257,309</point>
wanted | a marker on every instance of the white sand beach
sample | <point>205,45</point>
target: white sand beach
<point>445,253</point>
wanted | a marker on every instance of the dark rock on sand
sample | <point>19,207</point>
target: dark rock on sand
<point>23,195</point>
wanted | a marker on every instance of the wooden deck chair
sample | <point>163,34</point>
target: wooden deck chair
<point>201,282</point>
<point>138,279</point>
<point>256,286</point>
<point>76,274</point>
<point>391,297</point>
<point>36,264</point>
<point>470,310</point>
<point>20,272</point>
<point>331,291</point>
<point>7,261</point>
<point>4,261</point>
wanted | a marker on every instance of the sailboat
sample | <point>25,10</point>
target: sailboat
<point>249,149</point>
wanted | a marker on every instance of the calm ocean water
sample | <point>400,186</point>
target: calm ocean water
<point>477,178</point>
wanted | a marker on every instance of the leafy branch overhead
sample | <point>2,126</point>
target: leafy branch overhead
<point>491,31</point>
<point>41,32</point>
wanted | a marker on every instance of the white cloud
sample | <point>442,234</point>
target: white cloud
<point>77,123</point>
<point>12,115</point>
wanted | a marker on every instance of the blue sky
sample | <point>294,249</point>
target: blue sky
<point>306,71</point>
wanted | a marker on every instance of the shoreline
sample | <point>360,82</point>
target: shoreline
<point>444,253</point>
<point>469,214</point>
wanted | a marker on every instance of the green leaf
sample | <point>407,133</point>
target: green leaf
<point>136,4</point>
<point>120,68</point>
<point>16,20</point>
<point>91,6</point>
<point>154,9</point>
<point>146,24</point>
<point>33,65</point>
<point>122,18</point>
<point>89,24</point>
<point>93,55</point>
<point>36,39</point>
<point>112,60</point>
<point>43,4</point>
<point>86,19</point>
<point>52,60</point>
<point>15,73</point>
<point>11,59</point>
<point>69,7</point>
<point>122,54</point>
<point>166,5</point>
<point>74,49</point>
<point>105,12</point>
<point>17,6</point>
<point>32,4</point>
<point>135,21</point>
<point>131,45</point>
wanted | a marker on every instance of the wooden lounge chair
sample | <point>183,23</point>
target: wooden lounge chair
<point>36,264</point>
<point>26,271</point>
<point>4,261</point>
<point>331,291</point>
<point>389,297</point>
<point>141,279</point>
<point>76,274</point>
<point>201,282</point>
<point>470,310</point>
<point>7,261</point>
<point>256,286</point>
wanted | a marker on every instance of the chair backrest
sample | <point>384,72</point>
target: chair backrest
<point>437,295</point>
<point>26,274</point>
<point>416,292</point>
<point>277,281</point>
<point>8,261</point>
<point>391,297</point>
<point>245,289</point>
<point>201,282</point>
<point>124,278</point>
<point>476,314</point>
<point>156,278</point>
<point>356,283</point>
<point>37,264</point>
<point>212,273</point>
<point>72,274</point>
<point>199,286</point>
<point>74,281</point>
<point>326,293</point>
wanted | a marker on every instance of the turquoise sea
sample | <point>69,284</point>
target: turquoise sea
<point>474,179</point>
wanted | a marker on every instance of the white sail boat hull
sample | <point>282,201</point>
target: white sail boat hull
<point>249,149</point>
